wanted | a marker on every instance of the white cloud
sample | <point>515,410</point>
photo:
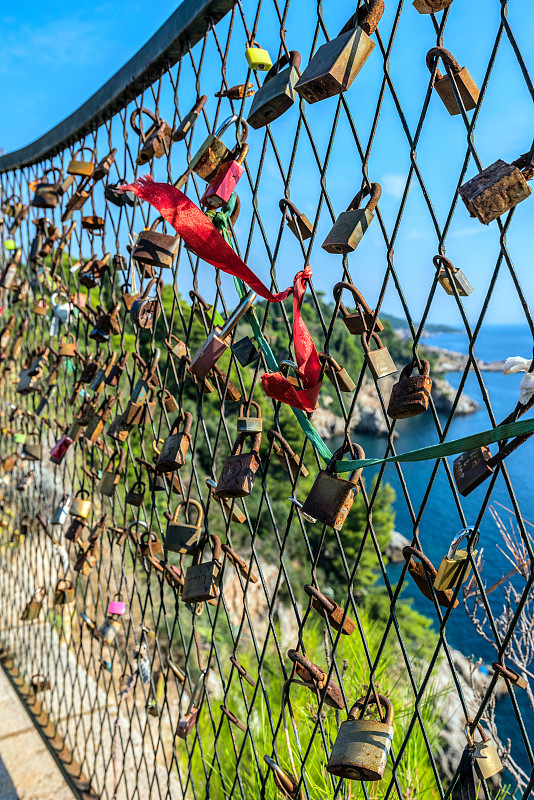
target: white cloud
<point>393,184</point>
<point>472,230</point>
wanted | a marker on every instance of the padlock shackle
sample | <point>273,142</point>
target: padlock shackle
<point>318,679</point>
<point>410,551</point>
<point>440,261</point>
<point>39,594</point>
<point>470,735</point>
<point>506,672</point>
<point>424,370</point>
<point>366,18</point>
<point>252,403</point>
<point>217,548</point>
<point>186,504</point>
<point>140,486</point>
<point>356,294</point>
<point>148,538</point>
<point>122,458</point>
<point>293,60</point>
<point>226,124</point>
<point>83,148</point>
<point>366,335</point>
<point>285,783</point>
<point>433,56</point>
<point>242,154</point>
<point>374,191</point>
<point>465,533</point>
<point>198,691</point>
<point>355,450</point>
<point>234,319</point>
<point>83,492</point>
<point>196,297</point>
<point>240,441</point>
<point>286,447</point>
<point>361,705</point>
<point>326,602</point>
<point>187,419</point>
<point>137,113</point>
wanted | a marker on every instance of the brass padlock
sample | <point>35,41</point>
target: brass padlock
<point>336,374</point>
<point>331,498</point>
<point>486,759</point>
<point>64,592</point>
<point>286,455</point>
<point>47,194</point>
<point>451,570</point>
<point>351,224</point>
<point>471,468</point>
<point>183,537</point>
<point>150,545</point>
<point>111,477</point>
<point>246,423</point>
<point>379,361</point>
<point>497,189</point>
<point>81,504</point>
<point>227,388</point>
<point>189,720</point>
<point>213,152</point>
<point>95,426</point>
<point>202,580</point>
<point>449,276</point>
<point>363,319</point>
<point>167,400</point>
<point>410,396</point>
<point>188,122</point>
<point>75,203</point>
<point>336,63</point>
<point>135,496</point>
<point>33,607</point>
<point>330,610</point>
<point>430,6</point>
<point>239,470</point>
<point>67,346</point>
<point>156,249</point>
<point>81,167</point>
<point>443,84</point>
<point>297,222</point>
<point>32,452</point>
<point>156,141</point>
<point>424,574</point>
<point>362,746</point>
<point>316,679</point>
<point>176,445</point>
<point>93,223</point>
<point>175,346</point>
<point>218,340</point>
<point>277,94</point>
<point>284,781</point>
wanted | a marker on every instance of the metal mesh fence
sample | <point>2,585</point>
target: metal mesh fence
<point>118,697</point>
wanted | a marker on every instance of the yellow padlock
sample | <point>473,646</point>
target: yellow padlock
<point>258,58</point>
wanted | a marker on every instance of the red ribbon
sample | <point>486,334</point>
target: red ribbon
<point>199,233</point>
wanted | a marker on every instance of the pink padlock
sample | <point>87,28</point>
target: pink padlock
<point>116,607</point>
<point>58,451</point>
<point>223,184</point>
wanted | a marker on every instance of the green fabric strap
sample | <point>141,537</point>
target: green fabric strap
<point>497,434</point>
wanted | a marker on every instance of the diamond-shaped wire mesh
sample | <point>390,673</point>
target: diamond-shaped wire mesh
<point>116,707</point>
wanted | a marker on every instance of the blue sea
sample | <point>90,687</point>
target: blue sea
<point>440,520</point>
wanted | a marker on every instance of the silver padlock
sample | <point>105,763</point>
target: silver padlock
<point>362,746</point>
<point>60,514</point>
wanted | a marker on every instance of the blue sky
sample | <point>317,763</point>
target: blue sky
<point>54,56</point>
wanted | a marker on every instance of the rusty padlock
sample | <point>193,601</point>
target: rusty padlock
<point>277,93</point>
<point>95,426</point>
<point>156,141</point>
<point>331,498</point>
<point>47,194</point>
<point>32,451</point>
<point>202,579</point>
<point>213,152</point>
<point>315,678</point>
<point>286,455</point>
<point>336,374</point>
<point>189,720</point>
<point>145,310</point>
<point>351,224</point>
<point>111,477</point>
<point>67,346</point>
<point>33,607</point>
<point>135,495</point>
<point>79,166</point>
<point>443,84</point>
<point>176,445</point>
<point>379,361</point>
<point>297,222</point>
<point>424,574</point>
<point>107,324</point>
<point>75,530</point>
<point>239,470</point>
<point>149,544</point>
<point>93,271</point>
<point>64,592</point>
<point>188,122</point>
<point>410,396</point>
<point>361,748</point>
<point>328,609</point>
<point>246,423</point>
<point>175,346</point>
<point>514,677</point>
<point>183,537</point>
<point>336,63</point>
<point>497,189</point>
<point>430,6</point>
<point>449,275</point>
<point>218,340</point>
<point>167,400</point>
<point>361,320</point>
<point>156,249</point>
<point>229,506</point>
<point>103,167</point>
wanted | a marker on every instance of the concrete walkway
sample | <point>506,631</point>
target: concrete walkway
<point>27,770</point>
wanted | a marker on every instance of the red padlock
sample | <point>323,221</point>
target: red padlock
<point>58,451</point>
<point>223,184</point>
